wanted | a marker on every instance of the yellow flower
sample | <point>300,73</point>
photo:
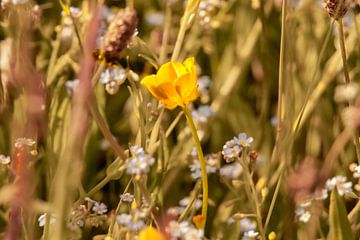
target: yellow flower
<point>150,233</point>
<point>175,84</point>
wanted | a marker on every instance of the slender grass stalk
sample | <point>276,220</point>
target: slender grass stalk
<point>347,78</point>
<point>281,68</point>
<point>252,195</point>
<point>165,37</point>
<point>205,190</point>
<point>113,220</point>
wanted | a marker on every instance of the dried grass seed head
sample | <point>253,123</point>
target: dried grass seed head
<point>119,34</point>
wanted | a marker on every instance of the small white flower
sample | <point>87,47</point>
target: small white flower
<point>42,219</point>
<point>202,114</point>
<point>250,235</point>
<point>231,151</point>
<point>124,219</point>
<point>71,85</point>
<point>340,183</point>
<point>196,169</point>
<point>140,162</point>
<point>247,225</point>
<point>243,141</point>
<point>4,160</point>
<point>99,208</point>
<point>321,194</point>
<point>231,171</point>
<point>127,197</point>
<point>185,201</point>
<point>20,142</point>
<point>302,214</point>
<point>356,172</point>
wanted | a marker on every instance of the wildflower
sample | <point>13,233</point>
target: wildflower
<point>124,219</point>
<point>136,150</point>
<point>184,230</point>
<point>196,169</point>
<point>139,164</point>
<point>20,142</point>
<point>4,160</point>
<point>71,85</point>
<point>204,83</point>
<point>230,150</point>
<point>175,84</point>
<point>120,32</point>
<point>340,183</point>
<point>42,219</point>
<point>127,197</point>
<point>99,208</point>
<point>247,225</point>
<point>231,171</point>
<point>321,194</point>
<point>136,225</point>
<point>302,214</point>
<point>243,141</point>
<point>185,202</point>
<point>150,233</point>
<point>272,236</point>
<point>250,235</point>
<point>112,78</point>
<point>201,114</point>
<point>175,211</point>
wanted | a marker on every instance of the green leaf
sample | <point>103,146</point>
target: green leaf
<point>339,224</point>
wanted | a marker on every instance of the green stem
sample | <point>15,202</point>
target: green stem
<point>113,220</point>
<point>250,189</point>
<point>205,187</point>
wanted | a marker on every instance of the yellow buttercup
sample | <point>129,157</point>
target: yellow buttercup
<point>175,84</point>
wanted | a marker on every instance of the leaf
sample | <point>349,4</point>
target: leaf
<point>339,224</point>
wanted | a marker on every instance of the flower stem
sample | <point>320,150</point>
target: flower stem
<point>205,187</point>
<point>347,79</point>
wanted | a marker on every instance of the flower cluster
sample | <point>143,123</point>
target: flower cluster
<point>134,221</point>
<point>184,231</point>
<point>302,213</point>
<point>211,165</point>
<point>112,78</point>
<point>4,160</point>
<point>231,171</point>
<point>340,183</point>
<point>207,10</point>
<point>248,227</point>
<point>234,147</point>
<point>140,161</point>
<point>202,114</point>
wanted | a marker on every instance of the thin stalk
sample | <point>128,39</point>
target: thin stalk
<point>273,201</point>
<point>165,37</point>
<point>205,187</point>
<point>251,191</point>
<point>347,78</point>
<point>94,190</point>
<point>113,220</point>
<point>281,68</point>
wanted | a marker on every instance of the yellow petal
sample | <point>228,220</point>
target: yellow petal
<point>169,72</point>
<point>186,86</point>
<point>149,80</point>
<point>151,233</point>
<point>170,97</point>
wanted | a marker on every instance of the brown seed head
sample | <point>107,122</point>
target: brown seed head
<point>119,34</point>
<point>336,8</point>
